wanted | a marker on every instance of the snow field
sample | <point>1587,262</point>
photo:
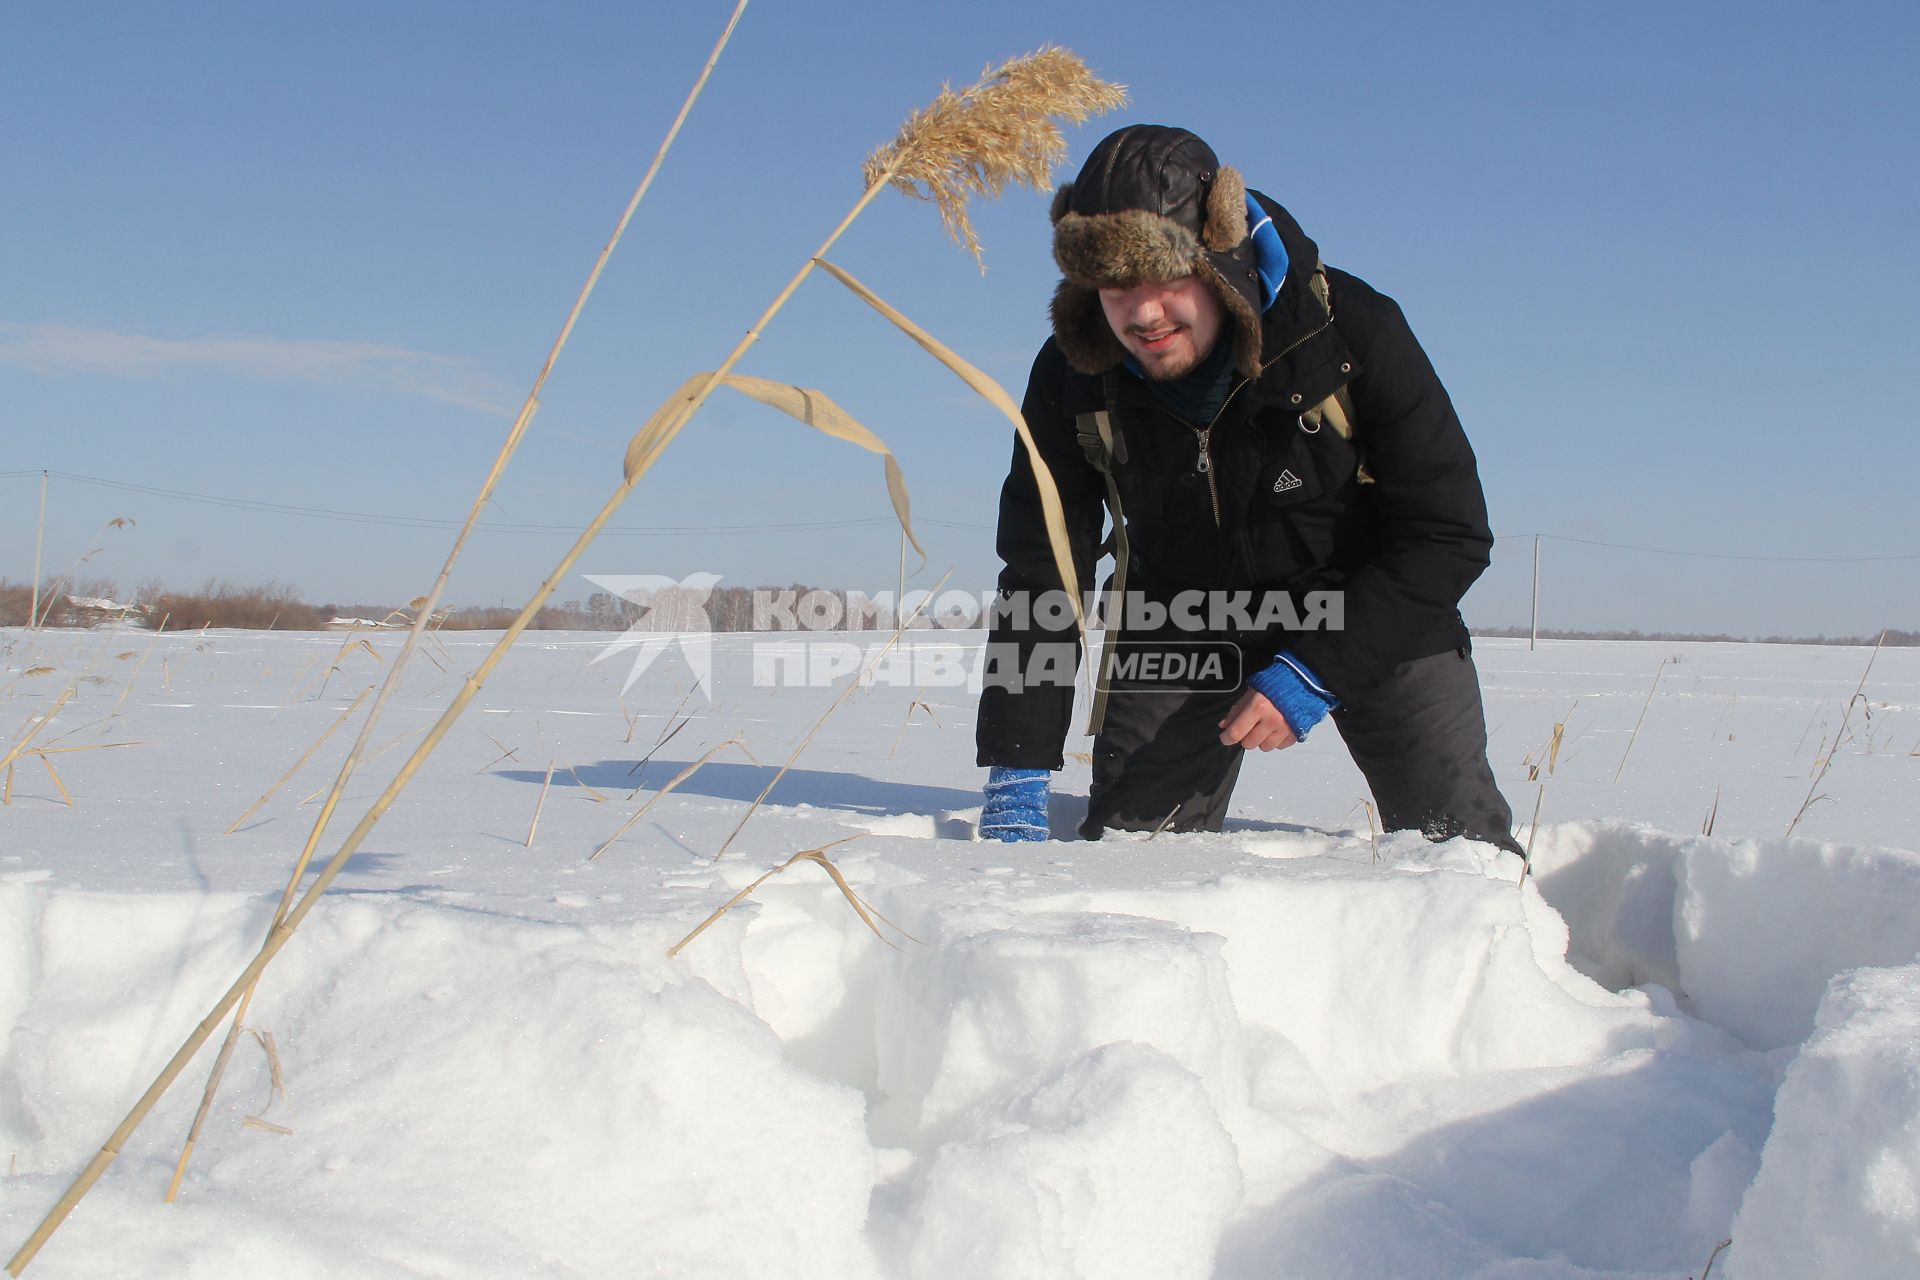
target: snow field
<point>1278,1050</point>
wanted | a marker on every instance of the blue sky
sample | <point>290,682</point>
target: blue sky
<point>1662,254</point>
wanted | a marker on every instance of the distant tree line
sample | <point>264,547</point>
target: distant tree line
<point>66,602</point>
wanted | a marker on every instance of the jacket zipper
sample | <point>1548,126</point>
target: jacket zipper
<point>1204,465</point>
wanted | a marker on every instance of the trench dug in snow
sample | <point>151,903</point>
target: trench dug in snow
<point>1252,1054</point>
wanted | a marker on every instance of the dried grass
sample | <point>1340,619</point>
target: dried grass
<point>819,412</point>
<point>641,456</point>
<point>999,133</point>
<point>672,783</point>
<point>545,784</point>
<point>1635,735</point>
<point>1526,859</point>
<point>1839,738</point>
<point>300,763</point>
<point>915,704</point>
<point>1373,827</point>
<point>33,728</point>
<point>838,702</point>
<point>869,916</point>
<point>582,783</point>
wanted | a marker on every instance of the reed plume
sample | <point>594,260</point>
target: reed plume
<point>1001,131</point>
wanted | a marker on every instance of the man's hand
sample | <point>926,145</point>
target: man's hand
<point>1256,722</point>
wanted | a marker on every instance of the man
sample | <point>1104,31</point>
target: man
<point>1273,430</point>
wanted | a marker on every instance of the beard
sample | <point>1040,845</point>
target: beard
<point>1174,363</point>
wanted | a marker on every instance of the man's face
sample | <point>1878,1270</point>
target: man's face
<point>1168,327</point>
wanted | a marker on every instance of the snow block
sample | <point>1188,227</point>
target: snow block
<point>1378,974</point>
<point>1838,1193</point>
<point>1115,1168</point>
<point>1762,925</point>
<point>994,1004</point>
<point>553,1091</point>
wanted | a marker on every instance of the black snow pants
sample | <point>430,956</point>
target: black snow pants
<point>1420,738</point>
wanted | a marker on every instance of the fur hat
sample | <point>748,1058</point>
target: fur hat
<point>1151,203</point>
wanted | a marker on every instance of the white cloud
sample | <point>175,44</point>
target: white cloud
<point>55,348</point>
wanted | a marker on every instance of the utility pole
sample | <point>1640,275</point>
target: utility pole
<point>39,536</point>
<point>1533,635</point>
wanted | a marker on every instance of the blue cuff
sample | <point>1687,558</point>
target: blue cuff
<point>1016,804</point>
<point>1295,692</point>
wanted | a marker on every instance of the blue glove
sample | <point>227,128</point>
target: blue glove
<point>1016,807</point>
<point>1295,692</point>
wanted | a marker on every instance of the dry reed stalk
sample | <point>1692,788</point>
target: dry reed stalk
<point>641,763</point>
<point>1526,859</point>
<point>582,782</point>
<point>276,1076</point>
<point>1373,827</point>
<point>300,763</point>
<point>838,702</point>
<point>673,782</point>
<point>1731,703</point>
<point>540,804</point>
<point>1559,735</point>
<point>346,648</point>
<point>915,705</point>
<point>424,612</point>
<point>641,454</point>
<point>55,775</point>
<point>862,908</point>
<point>1706,828</point>
<point>1802,740</point>
<point>1713,1258</point>
<point>1635,735</point>
<point>1838,736</point>
<point>34,726</point>
<point>138,667</point>
<point>91,746</point>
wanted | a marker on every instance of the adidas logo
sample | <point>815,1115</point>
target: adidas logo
<point>1287,482</point>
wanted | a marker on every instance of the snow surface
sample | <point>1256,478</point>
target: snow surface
<point>1289,1049</point>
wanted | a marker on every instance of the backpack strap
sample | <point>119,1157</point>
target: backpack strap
<point>1336,410</point>
<point>1097,440</point>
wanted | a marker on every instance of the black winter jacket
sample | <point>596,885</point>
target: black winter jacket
<point>1403,548</point>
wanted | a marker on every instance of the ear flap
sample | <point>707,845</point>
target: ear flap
<point>1242,320</point>
<point>1081,331</point>
<point>1226,210</point>
<point>1062,194</point>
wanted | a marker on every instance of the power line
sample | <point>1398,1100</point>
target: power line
<point>492,526</point>
<point>798,526</point>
